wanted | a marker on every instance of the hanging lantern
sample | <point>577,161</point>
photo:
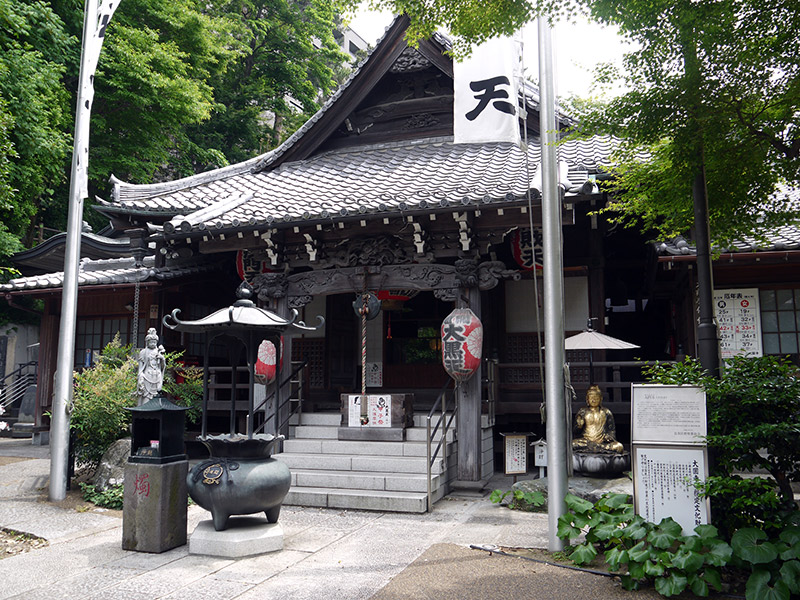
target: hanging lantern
<point>527,249</point>
<point>265,363</point>
<point>462,341</point>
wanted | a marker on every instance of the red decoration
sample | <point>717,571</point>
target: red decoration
<point>248,267</point>
<point>462,341</point>
<point>525,253</point>
<point>265,364</point>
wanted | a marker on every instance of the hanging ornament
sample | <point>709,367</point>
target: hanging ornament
<point>462,341</point>
<point>367,304</point>
<point>265,363</point>
<point>527,253</point>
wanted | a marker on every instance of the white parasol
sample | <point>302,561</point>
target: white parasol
<point>594,340</point>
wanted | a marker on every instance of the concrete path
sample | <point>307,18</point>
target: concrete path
<point>328,554</point>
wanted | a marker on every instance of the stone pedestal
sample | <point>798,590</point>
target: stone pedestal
<point>154,506</point>
<point>245,536</point>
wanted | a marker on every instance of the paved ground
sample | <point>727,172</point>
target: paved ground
<point>328,554</point>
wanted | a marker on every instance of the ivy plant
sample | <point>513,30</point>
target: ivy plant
<point>518,499</point>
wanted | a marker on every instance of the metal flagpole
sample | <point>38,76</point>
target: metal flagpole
<point>553,294</point>
<point>94,27</point>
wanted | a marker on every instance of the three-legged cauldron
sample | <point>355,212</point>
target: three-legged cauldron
<point>240,478</point>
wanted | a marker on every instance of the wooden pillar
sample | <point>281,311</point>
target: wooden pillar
<point>468,423</point>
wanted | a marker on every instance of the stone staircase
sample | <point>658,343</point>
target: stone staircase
<point>362,475</point>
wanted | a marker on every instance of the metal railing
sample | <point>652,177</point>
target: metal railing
<point>445,423</point>
<point>13,385</point>
<point>289,380</point>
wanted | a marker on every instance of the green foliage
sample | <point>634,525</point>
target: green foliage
<point>643,551</point>
<point>110,497</point>
<point>188,391</point>
<point>104,391</point>
<point>519,500</point>
<point>100,397</point>
<point>34,113</point>
<point>753,422</point>
<point>261,100</point>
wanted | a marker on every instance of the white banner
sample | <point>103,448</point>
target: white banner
<point>486,106</point>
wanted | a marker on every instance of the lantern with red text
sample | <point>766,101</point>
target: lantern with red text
<point>265,363</point>
<point>462,340</point>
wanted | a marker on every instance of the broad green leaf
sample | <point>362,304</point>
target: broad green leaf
<point>613,501</point>
<point>719,553</point>
<point>583,554</point>
<point>654,568</point>
<point>688,561</point>
<point>636,569</point>
<point>566,531</point>
<point>605,531</point>
<point>692,543</point>
<point>640,552</point>
<point>637,530</point>
<point>576,504</point>
<point>629,583</point>
<point>713,578</point>
<point>698,586</point>
<point>790,575</point>
<point>671,585</point>
<point>706,531</point>
<point>665,534</point>
<point>497,496</point>
<point>750,544</point>
<point>615,557</point>
<point>758,587</point>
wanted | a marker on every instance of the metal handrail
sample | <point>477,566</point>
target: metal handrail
<point>432,454</point>
<point>16,389</point>
<point>272,395</point>
<point>300,394</point>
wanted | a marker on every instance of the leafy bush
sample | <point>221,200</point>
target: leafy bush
<point>642,551</point>
<point>753,422</point>
<point>519,500</point>
<point>101,395</point>
<point>110,497</point>
<point>104,391</point>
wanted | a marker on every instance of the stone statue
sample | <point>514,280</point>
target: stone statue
<point>152,364</point>
<point>594,426</point>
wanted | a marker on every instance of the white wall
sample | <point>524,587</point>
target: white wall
<point>521,308</point>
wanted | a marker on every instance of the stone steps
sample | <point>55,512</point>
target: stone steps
<point>361,475</point>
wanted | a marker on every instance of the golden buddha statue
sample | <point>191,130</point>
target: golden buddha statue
<point>594,426</point>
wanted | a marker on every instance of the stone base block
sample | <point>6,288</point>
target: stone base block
<point>154,506</point>
<point>245,536</point>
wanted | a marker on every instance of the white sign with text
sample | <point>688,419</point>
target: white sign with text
<point>673,414</point>
<point>739,322</point>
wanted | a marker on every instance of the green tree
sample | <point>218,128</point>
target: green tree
<point>34,115</point>
<point>287,55</point>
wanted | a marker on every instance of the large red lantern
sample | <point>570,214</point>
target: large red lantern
<point>462,341</point>
<point>265,364</point>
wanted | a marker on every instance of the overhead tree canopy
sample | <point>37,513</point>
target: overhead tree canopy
<point>714,84</point>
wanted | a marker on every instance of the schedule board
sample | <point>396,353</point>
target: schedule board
<point>738,322</point>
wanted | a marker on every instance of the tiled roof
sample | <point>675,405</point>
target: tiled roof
<point>112,271</point>
<point>383,179</point>
<point>782,238</point>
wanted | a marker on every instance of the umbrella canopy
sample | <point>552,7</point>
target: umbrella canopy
<point>594,340</point>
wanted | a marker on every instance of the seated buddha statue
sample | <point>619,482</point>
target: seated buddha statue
<point>594,426</point>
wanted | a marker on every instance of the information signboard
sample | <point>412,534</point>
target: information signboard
<point>664,479</point>
<point>738,322</point>
<point>378,410</point>
<point>516,454</point>
<point>674,414</point>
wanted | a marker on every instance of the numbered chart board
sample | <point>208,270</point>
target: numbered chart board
<point>673,414</point>
<point>739,322</point>
<point>664,484</point>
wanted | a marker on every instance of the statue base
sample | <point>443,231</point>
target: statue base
<point>597,464</point>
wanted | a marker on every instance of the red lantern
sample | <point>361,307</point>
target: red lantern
<point>462,341</point>
<point>265,364</point>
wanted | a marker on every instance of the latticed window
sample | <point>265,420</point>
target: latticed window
<point>92,334</point>
<point>780,321</point>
